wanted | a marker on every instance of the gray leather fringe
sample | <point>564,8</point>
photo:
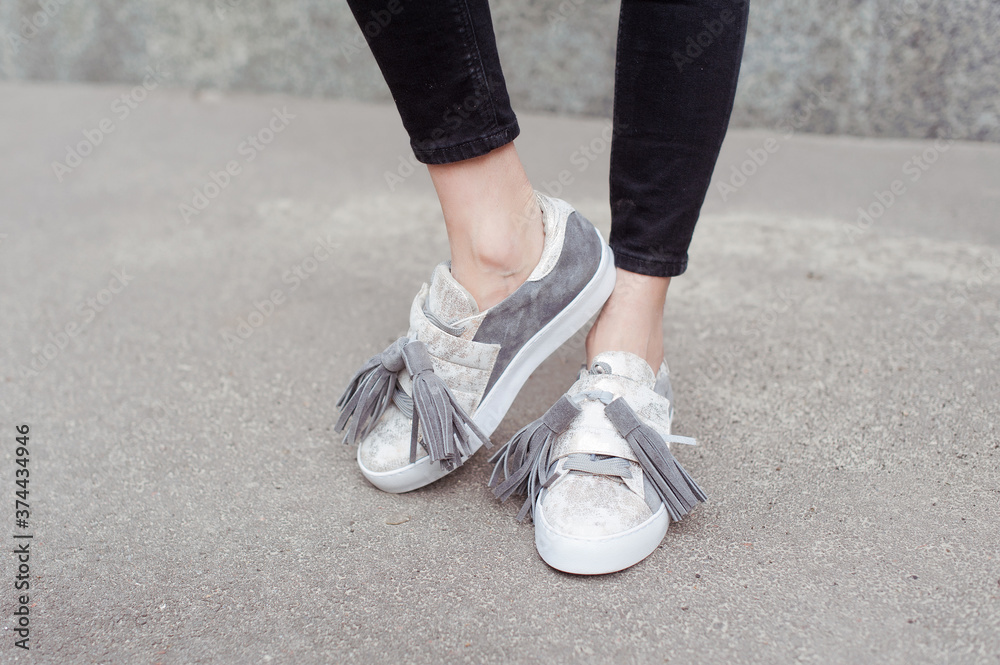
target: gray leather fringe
<point>448,431</point>
<point>370,392</point>
<point>678,491</point>
<point>524,460</point>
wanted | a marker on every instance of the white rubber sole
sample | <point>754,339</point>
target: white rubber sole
<point>495,405</point>
<point>598,556</point>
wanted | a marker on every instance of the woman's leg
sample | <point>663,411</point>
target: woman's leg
<point>526,273</point>
<point>671,111</point>
<point>493,220</point>
<point>440,62</point>
<point>675,80</point>
<point>632,318</point>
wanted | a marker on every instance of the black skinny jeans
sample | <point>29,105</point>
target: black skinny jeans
<point>675,78</point>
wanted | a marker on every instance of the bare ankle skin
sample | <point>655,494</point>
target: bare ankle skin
<point>632,319</point>
<point>493,220</point>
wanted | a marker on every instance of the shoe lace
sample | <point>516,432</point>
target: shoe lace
<point>523,464</point>
<point>455,331</point>
<point>605,465</point>
<point>598,465</point>
<point>449,433</point>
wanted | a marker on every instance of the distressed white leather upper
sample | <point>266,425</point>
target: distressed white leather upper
<point>464,365</point>
<point>584,505</point>
<point>555,212</point>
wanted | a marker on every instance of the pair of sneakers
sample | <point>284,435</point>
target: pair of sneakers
<point>600,481</point>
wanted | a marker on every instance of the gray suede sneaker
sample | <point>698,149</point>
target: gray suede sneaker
<point>602,485</point>
<point>428,402</point>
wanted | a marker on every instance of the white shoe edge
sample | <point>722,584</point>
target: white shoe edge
<point>492,410</point>
<point>547,341</point>
<point>598,556</point>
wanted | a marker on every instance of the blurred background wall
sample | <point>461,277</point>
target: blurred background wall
<point>887,68</point>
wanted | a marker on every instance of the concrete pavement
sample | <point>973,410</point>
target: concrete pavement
<point>225,263</point>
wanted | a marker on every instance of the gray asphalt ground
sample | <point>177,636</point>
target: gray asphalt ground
<point>191,503</point>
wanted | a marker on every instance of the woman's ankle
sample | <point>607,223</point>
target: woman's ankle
<point>632,319</point>
<point>494,223</point>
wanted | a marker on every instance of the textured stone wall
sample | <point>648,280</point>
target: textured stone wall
<point>899,68</point>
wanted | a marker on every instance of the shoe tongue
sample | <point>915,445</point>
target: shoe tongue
<point>629,365</point>
<point>448,300</point>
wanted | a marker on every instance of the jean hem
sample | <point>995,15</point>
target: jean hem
<point>644,266</point>
<point>476,147</point>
